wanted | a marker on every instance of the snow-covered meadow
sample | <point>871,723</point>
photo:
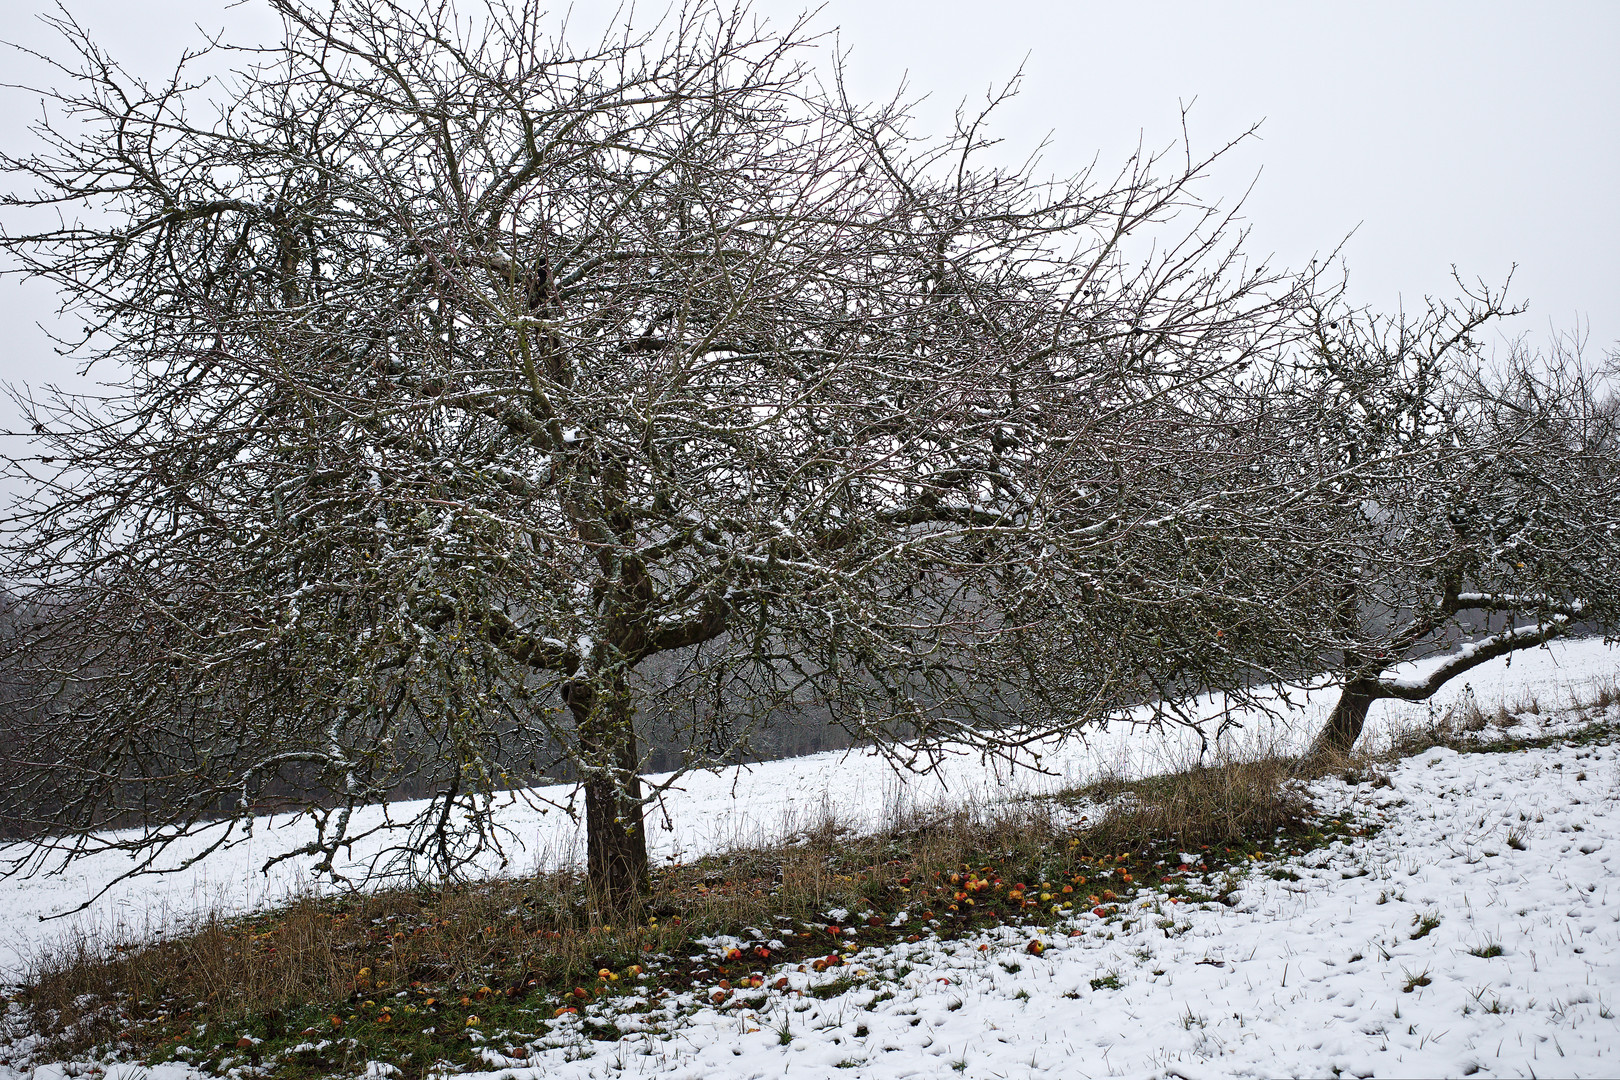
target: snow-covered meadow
<point>1315,976</point>
<point>1436,948</point>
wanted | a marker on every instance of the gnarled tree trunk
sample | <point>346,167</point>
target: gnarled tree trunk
<point>615,838</point>
<point>1349,716</point>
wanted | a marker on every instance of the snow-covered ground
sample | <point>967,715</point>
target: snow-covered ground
<point>1316,976</point>
<point>1478,932</point>
<point>708,812</point>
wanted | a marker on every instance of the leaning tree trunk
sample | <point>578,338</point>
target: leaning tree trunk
<point>615,839</point>
<point>1348,718</point>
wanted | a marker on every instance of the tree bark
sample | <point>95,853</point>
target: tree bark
<point>615,837</point>
<point>1349,716</point>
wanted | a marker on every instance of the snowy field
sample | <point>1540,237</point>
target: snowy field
<point>713,811</point>
<point>1316,976</point>
<point>1436,948</point>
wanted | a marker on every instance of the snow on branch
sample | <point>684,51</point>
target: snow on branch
<point>1420,688</point>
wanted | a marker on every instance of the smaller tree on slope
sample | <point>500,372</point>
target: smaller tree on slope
<point>1474,511</point>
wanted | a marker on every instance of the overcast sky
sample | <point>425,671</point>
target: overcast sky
<point>1478,135</point>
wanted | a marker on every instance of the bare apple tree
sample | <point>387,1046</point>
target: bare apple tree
<point>458,373</point>
<point>1466,509</point>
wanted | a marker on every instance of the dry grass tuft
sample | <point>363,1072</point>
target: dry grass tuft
<point>1218,804</point>
<point>1600,695</point>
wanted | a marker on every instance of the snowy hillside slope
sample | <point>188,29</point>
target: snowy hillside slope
<point>709,812</point>
<point>1477,932</point>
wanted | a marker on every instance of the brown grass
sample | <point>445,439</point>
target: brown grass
<point>544,934</point>
<point>1209,805</point>
<point>1600,694</point>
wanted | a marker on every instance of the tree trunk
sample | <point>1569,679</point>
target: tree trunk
<point>1349,716</point>
<point>615,839</point>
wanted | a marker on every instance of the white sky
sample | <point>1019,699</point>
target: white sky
<point>1477,134</point>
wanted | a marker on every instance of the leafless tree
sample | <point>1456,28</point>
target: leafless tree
<point>1474,508</point>
<point>460,372</point>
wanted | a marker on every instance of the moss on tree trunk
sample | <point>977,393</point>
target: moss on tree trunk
<point>615,837</point>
